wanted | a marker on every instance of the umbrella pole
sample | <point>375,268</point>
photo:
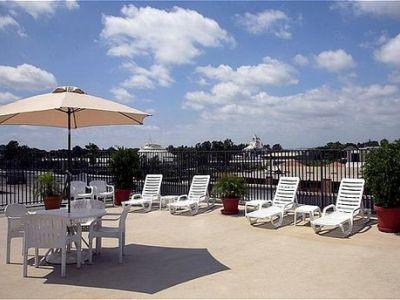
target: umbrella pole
<point>69,161</point>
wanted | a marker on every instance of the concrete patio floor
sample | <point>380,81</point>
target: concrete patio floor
<point>216,256</point>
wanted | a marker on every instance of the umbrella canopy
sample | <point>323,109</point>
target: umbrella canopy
<point>52,109</point>
<point>69,107</point>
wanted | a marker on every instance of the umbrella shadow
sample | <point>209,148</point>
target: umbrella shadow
<point>146,269</point>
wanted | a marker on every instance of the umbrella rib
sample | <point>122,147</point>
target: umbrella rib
<point>73,113</point>
<point>129,117</point>
<point>8,118</point>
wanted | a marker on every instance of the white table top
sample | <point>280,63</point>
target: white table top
<point>74,214</point>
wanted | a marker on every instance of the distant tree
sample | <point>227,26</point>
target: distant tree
<point>11,150</point>
<point>384,142</point>
<point>93,152</point>
<point>277,147</point>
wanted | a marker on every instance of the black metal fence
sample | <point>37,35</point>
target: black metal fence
<point>320,171</point>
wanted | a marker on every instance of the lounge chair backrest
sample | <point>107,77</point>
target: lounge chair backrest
<point>99,186</point>
<point>152,185</point>
<point>78,187</point>
<point>199,186</point>
<point>45,231</point>
<point>286,191</point>
<point>350,195</point>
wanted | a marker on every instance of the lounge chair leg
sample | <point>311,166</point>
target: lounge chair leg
<point>63,261</point>
<point>120,249</point>
<point>90,250</point>
<point>316,228</point>
<point>78,254</point>
<point>25,267</point>
<point>252,221</point>
<point>279,223</point>
<point>36,257</point>
<point>8,250</point>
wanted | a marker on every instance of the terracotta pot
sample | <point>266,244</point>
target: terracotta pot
<point>388,219</point>
<point>230,206</point>
<point>121,195</point>
<point>52,202</point>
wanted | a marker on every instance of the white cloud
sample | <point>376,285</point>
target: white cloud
<point>321,111</point>
<point>394,77</point>
<point>39,9</point>
<point>370,8</point>
<point>26,77</point>
<point>271,21</point>
<point>389,52</point>
<point>269,72</point>
<point>300,60</point>
<point>335,60</point>
<point>8,22</point>
<point>122,95</point>
<point>143,78</point>
<point>173,36</point>
<point>6,97</point>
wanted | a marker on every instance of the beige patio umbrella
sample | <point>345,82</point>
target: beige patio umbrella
<point>69,107</point>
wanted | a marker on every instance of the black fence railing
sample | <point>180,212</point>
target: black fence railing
<point>320,171</point>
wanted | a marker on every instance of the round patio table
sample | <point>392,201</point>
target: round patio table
<point>75,217</point>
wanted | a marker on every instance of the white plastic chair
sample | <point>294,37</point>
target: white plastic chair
<point>46,231</point>
<point>109,232</point>
<point>198,193</point>
<point>79,190</point>
<point>15,227</point>
<point>86,204</point>
<point>150,193</point>
<point>284,200</point>
<point>348,206</point>
<point>102,190</point>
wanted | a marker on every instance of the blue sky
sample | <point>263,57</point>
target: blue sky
<point>296,73</point>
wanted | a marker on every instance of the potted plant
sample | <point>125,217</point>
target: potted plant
<point>48,188</point>
<point>230,189</point>
<point>382,175</point>
<point>124,166</point>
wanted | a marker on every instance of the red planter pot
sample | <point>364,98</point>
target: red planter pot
<point>121,195</point>
<point>230,206</point>
<point>52,202</point>
<point>388,219</point>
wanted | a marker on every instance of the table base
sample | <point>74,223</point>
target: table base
<point>54,257</point>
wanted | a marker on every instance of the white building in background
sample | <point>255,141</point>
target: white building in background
<point>255,144</point>
<point>150,151</point>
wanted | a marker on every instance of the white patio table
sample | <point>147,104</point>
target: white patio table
<point>75,217</point>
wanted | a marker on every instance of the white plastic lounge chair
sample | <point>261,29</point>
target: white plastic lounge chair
<point>150,193</point>
<point>284,200</point>
<point>15,227</point>
<point>79,190</point>
<point>101,231</point>
<point>198,192</point>
<point>348,205</point>
<point>45,231</point>
<point>102,190</point>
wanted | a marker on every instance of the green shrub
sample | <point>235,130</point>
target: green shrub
<point>47,186</point>
<point>230,187</point>
<point>382,174</point>
<point>124,166</point>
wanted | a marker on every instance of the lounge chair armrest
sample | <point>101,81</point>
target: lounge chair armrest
<point>269,202</point>
<point>136,196</point>
<point>356,211</point>
<point>110,188</point>
<point>288,205</point>
<point>182,197</point>
<point>91,189</point>
<point>332,206</point>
